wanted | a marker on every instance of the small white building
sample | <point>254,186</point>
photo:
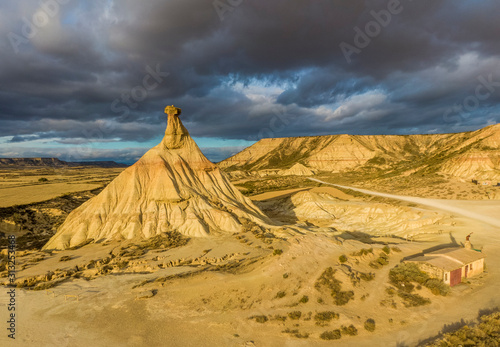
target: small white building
<point>451,264</point>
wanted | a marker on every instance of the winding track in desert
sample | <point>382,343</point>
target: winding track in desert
<point>444,205</point>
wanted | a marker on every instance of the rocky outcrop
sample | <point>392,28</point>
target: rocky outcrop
<point>474,154</point>
<point>324,210</point>
<point>172,187</point>
<point>479,165</point>
<point>297,170</point>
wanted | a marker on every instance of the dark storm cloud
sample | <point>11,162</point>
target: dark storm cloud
<point>269,68</point>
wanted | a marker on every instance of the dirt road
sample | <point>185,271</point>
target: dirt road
<point>444,205</point>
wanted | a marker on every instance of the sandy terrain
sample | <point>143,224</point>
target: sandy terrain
<point>212,308</point>
<point>42,192</point>
<point>275,194</point>
<point>21,186</point>
<point>282,193</point>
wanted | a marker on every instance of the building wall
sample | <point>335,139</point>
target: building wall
<point>432,271</point>
<point>446,277</point>
<point>477,268</point>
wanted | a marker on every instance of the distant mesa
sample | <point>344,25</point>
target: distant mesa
<point>53,162</point>
<point>467,155</point>
<point>173,187</point>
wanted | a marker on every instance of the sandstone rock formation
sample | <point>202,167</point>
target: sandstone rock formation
<point>297,170</point>
<point>467,155</point>
<point>172,187</point>
<point>322,209</point>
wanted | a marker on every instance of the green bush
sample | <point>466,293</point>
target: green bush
<point>279,317</point>
<point>403,275</point>
<point>342,258</point>
<point>325,316</point>
<point>328,280</point>
<point>280,294</point>
<point>260,319</point>
<point>331,335</point>
<point>367,276</point>
<point>304,299</point>
<point>362,252</point>
<point>343,297</point>
<point>370,325</point>
<point>413,300</point>
<point>43,179</point>
<point>65,258</point>
<point>407,273</point>
<point>295,315</point>
<point>382,260</point>
<point>386,250</point>
<point>350,330</point>
<point>390,290</point>
<point>277,252</point>
<point>437,287</point>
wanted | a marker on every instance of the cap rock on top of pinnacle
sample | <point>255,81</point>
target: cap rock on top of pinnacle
<point>172,187</point>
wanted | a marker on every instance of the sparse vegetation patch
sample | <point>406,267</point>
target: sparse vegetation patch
<point>413,300</point>
<point>325,316</point>
<point>295,315</point>
<point>350,330</point>
<point>280,294</point>
<point>304,299</point>
<point>296,333</point>
<point>260,318</point>
<point>382,260</point>
<point>369,324</point>
<point>485,333</point>
<point>403,275</point>
<point>327,280</point>
<point>331,335</point>
<point>362,251</point>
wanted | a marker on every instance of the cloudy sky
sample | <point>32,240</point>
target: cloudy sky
<point>88,80</point>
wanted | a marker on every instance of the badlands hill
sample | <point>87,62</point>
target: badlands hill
<point>7,163</point>
<point>172,187</point>
<point>468,155</point>
<point>297,170</point>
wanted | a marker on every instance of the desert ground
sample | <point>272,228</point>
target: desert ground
<point>31,185</point>
<point>267,285</point>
